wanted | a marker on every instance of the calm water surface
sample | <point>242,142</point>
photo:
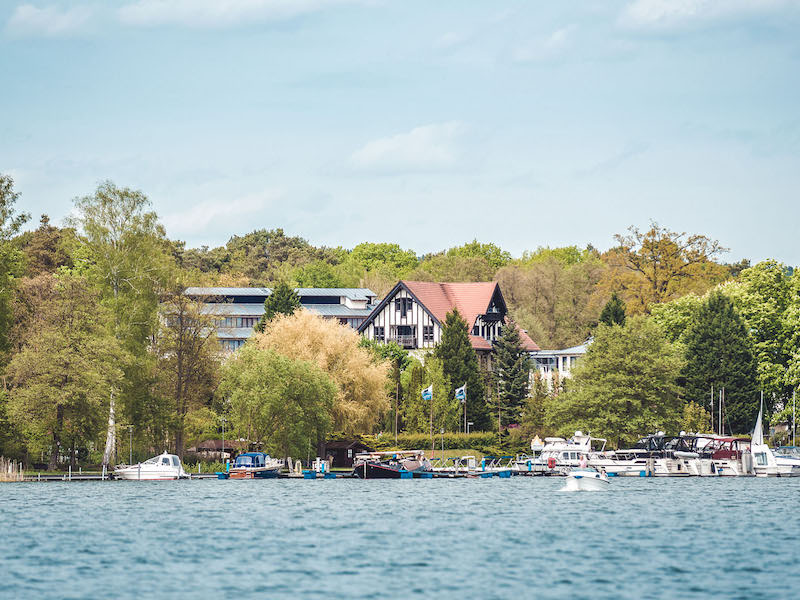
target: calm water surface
<point>515,538</point>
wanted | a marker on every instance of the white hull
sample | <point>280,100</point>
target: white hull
<point>587,480</point>
<point>767,464</point>
<point>164,467</point>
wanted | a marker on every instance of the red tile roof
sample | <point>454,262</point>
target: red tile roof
<point>471,299</point>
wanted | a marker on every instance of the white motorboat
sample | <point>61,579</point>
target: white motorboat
<point>586,480</point>
<point>159,468</point>
<point>558,455</point>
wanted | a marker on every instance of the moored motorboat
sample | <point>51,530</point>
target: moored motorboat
<point>255,465</point>
<point>398,464</point>
<point>159,468</point>
<point>586,479</point>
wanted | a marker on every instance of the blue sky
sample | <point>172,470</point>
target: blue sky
<point>423,123</point>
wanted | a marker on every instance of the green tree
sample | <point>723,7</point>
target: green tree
<point>676,318</point>
<point>374,256</point>
<point>719,354</point>
<point>614,311</point>
<point>62,377</point>
<point>11,259</point>
<point>624,387</point>
<point>460,364</point>
<point>126,255</point>
<point>534,409</point>
<point>282,403</point>
<point>512,370</point>
<point>282,301</point>
<point>495,256</point>
<point>188,355</point>
<point>443,412</point>
<point>763,296</point>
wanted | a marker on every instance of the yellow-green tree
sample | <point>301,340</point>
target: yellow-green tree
<point>361,382</point>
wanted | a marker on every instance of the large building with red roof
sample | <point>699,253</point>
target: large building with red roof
<point>412,314</point>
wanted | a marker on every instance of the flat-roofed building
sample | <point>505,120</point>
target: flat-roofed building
<point>237,310</point>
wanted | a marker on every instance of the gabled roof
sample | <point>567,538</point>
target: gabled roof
<point>472,300</point>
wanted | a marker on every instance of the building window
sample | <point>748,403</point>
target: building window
<point>379,334</point>
<point>427,333</point>
<point>403,305</point>
<point>476,330</point>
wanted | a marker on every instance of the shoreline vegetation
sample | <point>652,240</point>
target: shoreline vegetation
<point>102,355</point>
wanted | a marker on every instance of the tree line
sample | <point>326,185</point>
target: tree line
<point>97,338</point>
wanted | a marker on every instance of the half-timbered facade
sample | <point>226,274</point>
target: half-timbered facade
<point>412,314</point>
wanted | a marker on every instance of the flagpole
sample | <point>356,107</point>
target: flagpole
<point>465,407</point>
<point>433,442</point>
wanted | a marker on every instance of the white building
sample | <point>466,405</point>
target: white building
<point>549,362</point>
<point>238,310</point>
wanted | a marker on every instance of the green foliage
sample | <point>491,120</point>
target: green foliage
<point>676,318</point>
<point>125,255</point>
<point>494,256</point>
<point>613,312</point>
<point>624,387</point>
<point>567,256</point>
<point>512,373</point>
<point>390,352</point>
<point>719,354</point>
<point>282,301</point>
<point>11,259</point>
<point>695,418</point>
<point>63,376</point>
<point>762,296</point>
<point>534,409</point>
<point>371,256</point>
<point>46,248</point>
<point>282,403</point>
<point>443,411</point>
<point>460,367</point>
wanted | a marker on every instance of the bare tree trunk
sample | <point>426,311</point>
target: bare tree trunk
<point>111,435</point>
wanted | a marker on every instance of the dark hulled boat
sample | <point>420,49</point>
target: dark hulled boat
<point>391,465</point>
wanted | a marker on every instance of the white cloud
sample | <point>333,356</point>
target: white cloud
<point>236,212</point>
<point>671,14</point>
<point>216,13</point>
<point>426,148</point>
<point>549,47</point>
<point>50,21</point>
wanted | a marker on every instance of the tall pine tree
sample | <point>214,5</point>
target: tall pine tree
<point>461,367</point>
<point>719,354</point>
<point>614,311</point>
<point>512,371</point>
<point>282,301</point>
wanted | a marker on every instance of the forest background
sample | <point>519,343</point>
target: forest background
<point>96,337</point>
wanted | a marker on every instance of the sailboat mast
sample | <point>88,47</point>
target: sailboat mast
<point>794,395</point>
<point>712,410</point>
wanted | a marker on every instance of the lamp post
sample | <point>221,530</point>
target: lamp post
<point>469,423</point>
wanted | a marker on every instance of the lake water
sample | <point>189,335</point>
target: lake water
<point>499,538</point>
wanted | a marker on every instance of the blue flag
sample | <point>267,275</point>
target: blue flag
<point>461,393</point>
<point>427,393</point>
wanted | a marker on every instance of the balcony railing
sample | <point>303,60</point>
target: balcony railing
<point>406,341</point>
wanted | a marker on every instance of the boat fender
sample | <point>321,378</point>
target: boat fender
<point>551,463</point>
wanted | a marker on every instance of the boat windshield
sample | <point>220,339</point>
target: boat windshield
<point>176,462</point>
<point>244,461</point>
<point>792,451</point>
